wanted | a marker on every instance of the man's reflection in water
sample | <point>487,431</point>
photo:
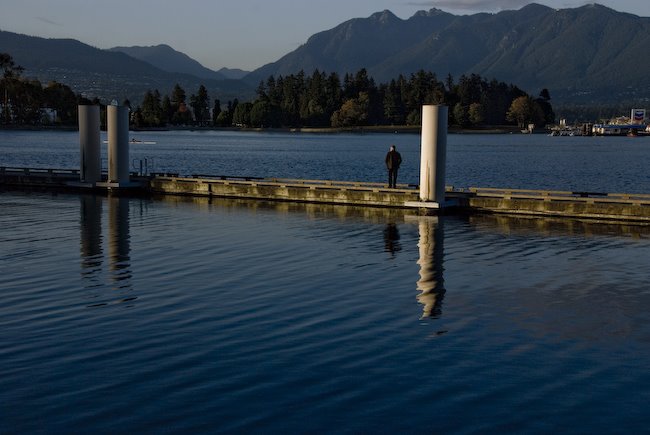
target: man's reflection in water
<point>431,282</point>
<point>391,239</point>
<point>119,246</point>
<point>91,238</point>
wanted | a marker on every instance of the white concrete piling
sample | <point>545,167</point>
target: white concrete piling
<point>433,154</point>
<point>89,144</point>
<point>117,122</point>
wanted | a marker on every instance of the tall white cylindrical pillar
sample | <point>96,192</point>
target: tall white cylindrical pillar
<point>117,124</point>
<point>89,144</point>
<point>433,153</point>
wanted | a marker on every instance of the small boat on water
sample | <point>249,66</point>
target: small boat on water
<point>139,142</point>
<point>145,142</point>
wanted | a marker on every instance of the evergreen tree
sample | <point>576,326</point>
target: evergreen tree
<point>177,97</point>
<point>151,110</point>
<point>181,113</point>
<point>261,90</point>
<point>274,90</point>
<point>167,110</point>
<point>333,93</point>
<point>216,110</point>
<point>292,87</point>
<point>313,104</point>
<point>200,104</point>
<point>393,105</point>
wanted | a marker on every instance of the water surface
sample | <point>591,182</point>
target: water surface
<point>186,315</point>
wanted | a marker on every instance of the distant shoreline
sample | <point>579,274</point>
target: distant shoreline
<point>403,129</point>
<point>315,130</point>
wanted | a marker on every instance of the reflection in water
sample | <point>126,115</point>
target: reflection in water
<point>431,282</point>
<point>391,239</point>
<point>119,247</point>
<point>310,210</point>
<point>91,238</point>
<point>430,285</point>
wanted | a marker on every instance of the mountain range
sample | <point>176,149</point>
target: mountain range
<point>587,54</point>
<point>116,74</point>
<point>590,52</point>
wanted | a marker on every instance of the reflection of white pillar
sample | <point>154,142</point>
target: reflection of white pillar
<point>119,244</point>
<point>91,231</point>
<point>89,144</point>
<point>118,143</point>
<point>433,153</point>
<point>431,282</point>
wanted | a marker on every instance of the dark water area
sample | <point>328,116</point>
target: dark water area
<point>599,164</point>
<point>186,315</point>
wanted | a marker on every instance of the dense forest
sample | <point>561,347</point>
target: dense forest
<point>324,100</point>
<point>297,100</point>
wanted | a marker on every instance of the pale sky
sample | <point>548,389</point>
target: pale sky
<point>244,34</point>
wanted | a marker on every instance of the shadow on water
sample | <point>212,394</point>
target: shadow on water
<point>119,247</point>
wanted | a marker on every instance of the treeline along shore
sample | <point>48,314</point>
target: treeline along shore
<point>317,101</point>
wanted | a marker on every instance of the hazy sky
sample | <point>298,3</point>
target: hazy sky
<point>242,34</point>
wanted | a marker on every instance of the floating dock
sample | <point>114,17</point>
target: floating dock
<point>581,205</point>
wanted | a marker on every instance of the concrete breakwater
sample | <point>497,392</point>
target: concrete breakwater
<point>582,205</point>
<point>315,191</point>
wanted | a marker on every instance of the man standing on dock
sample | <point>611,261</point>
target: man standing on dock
<point>393,160</point>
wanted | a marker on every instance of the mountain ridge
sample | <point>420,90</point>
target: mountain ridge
<point>590,51</point>
<point>106,74</point>
<point>164,57</point>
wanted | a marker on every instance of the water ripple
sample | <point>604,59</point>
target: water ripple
<point>188,315</point>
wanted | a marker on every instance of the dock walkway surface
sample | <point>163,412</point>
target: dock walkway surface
<point>622,207</point>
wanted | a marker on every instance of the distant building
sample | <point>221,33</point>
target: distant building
<point>617,129</point>
<point>637,116</point>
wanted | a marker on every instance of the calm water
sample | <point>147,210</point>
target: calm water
<point>615,165</point>
<point>188,315</point>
